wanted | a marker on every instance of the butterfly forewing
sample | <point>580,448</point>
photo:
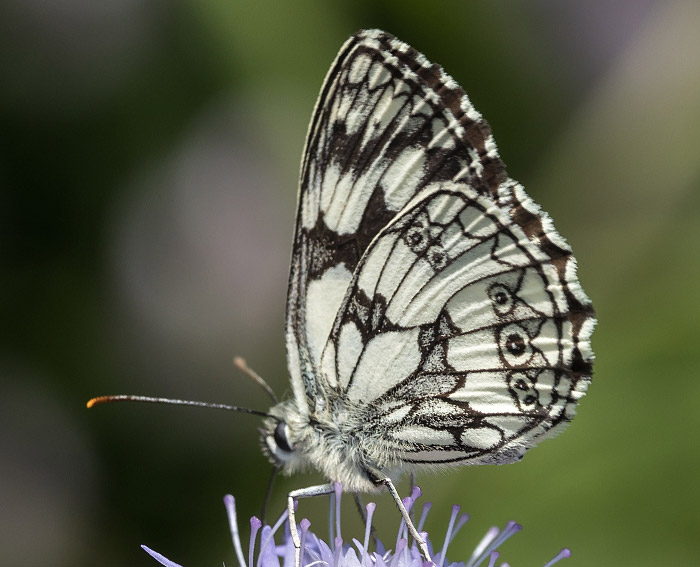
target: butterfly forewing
<point>387,124</point>
<point>426,287</point>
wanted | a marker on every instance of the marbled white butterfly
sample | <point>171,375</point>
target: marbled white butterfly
<point>434,316</point>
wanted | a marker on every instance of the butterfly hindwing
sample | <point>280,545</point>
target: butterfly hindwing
<point>466,337</point>
<point>387,124</point>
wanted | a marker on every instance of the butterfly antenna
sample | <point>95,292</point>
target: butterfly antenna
<point>240,363</point>
<point>268,492</point>
<point>172,402</point>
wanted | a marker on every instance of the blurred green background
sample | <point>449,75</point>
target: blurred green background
<point>148,170</point>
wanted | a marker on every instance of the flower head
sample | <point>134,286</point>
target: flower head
<point>265,551</point>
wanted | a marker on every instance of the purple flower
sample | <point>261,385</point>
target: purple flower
<point>265,551</point>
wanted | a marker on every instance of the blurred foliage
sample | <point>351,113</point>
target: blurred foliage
<point>148,169</point>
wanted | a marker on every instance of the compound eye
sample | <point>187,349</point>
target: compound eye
<point>282,438</point>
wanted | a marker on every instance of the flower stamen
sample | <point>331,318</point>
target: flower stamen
<point>230,504</point>
<point>255,525</point>
<point>563,554</point>
<point>368,529</point>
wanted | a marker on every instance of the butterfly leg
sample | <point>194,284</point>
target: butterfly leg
<point>422,545</point>
<point>308,492</point>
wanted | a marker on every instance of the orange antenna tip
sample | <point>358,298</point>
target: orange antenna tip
<point>94,401</point>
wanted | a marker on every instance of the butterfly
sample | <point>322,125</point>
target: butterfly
<point>434,316</point>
